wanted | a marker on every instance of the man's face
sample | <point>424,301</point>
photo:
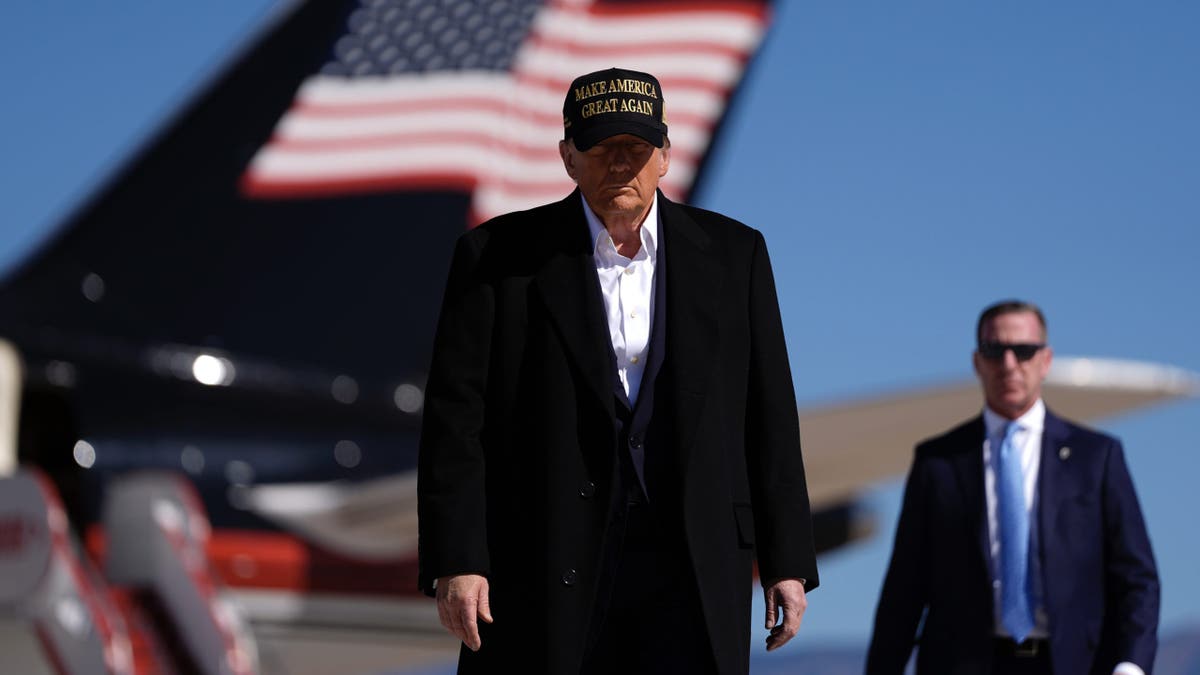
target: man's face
<point>618,175</point>
<point>1012,386</point>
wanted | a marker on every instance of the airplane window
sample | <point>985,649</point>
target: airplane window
<point>409,398</point>
<point>85,454</point>
<point>347,453</point>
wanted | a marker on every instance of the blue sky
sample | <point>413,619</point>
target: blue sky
<point>908,163</point>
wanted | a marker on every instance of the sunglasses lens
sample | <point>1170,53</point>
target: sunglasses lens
<point>994,351</point>
<point>991,351</point>
<point>1025,352</point>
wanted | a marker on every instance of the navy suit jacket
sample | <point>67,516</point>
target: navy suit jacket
<point>1100,583</point>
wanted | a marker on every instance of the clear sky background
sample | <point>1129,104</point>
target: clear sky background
<point>908,163</point>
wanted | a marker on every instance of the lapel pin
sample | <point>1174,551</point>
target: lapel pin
<point>1064,452</point>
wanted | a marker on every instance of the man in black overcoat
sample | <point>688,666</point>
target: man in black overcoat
<point>610,438</point>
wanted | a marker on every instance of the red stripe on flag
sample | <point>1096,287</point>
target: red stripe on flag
<point>404,124</point>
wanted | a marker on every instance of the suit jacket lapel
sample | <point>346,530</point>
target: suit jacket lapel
<point>571,291</point>
<point>658,329</point>
<point>693,290</point>
<point>969,469</point>
<point>1053,477</point>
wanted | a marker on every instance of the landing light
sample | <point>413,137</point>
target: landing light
<point>212,370</point>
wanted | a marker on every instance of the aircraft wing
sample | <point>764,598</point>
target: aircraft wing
<point>848,447</point>
<point>371,520</point>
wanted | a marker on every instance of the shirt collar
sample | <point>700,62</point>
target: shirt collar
<point>1033,419</point>
<point>601,240</point>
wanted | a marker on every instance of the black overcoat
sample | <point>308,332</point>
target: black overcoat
<point>518,445</point>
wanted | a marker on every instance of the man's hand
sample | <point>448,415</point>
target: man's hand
<point>460,599</point>
<point>785,596</point>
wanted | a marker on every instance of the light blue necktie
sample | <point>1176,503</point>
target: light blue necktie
<point>1016,612</point>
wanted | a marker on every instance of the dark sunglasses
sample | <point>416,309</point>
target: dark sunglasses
<point>994,351</point>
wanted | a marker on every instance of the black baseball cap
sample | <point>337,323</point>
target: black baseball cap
<point>614,101</point>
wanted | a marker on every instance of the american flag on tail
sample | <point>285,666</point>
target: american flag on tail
<point>467,94</point>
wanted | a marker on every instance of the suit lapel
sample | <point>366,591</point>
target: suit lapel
<point>1053,479</point>
<point>969,469</point>
<point>693,290</point>
<point>569,287</point>
<point>658,328</point>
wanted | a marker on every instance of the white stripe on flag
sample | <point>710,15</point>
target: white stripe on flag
<point>498,132</point>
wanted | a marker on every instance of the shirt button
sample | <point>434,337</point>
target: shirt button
<point>569,578</point>
<point>628,270</point>
<point>633,315</point>
<point>634,360</point>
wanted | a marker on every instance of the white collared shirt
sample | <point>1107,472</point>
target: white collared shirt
<point>628,289</point>
<point>1027,441</point>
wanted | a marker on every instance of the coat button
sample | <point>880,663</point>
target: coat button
<point>635,441</point>
<point>587,490</point>
<point>569,577</point>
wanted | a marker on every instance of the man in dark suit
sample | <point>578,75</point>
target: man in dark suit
<point>610,431</point>
<point>1020,546</point>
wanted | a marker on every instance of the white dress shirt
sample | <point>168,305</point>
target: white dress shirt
<point>628,289</point>
<point>1027,442</point>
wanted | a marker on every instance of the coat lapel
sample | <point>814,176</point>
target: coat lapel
<point>969,469</point>
<point>692,293</point>
<point>569,287</point>
<point>1053,478</point>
